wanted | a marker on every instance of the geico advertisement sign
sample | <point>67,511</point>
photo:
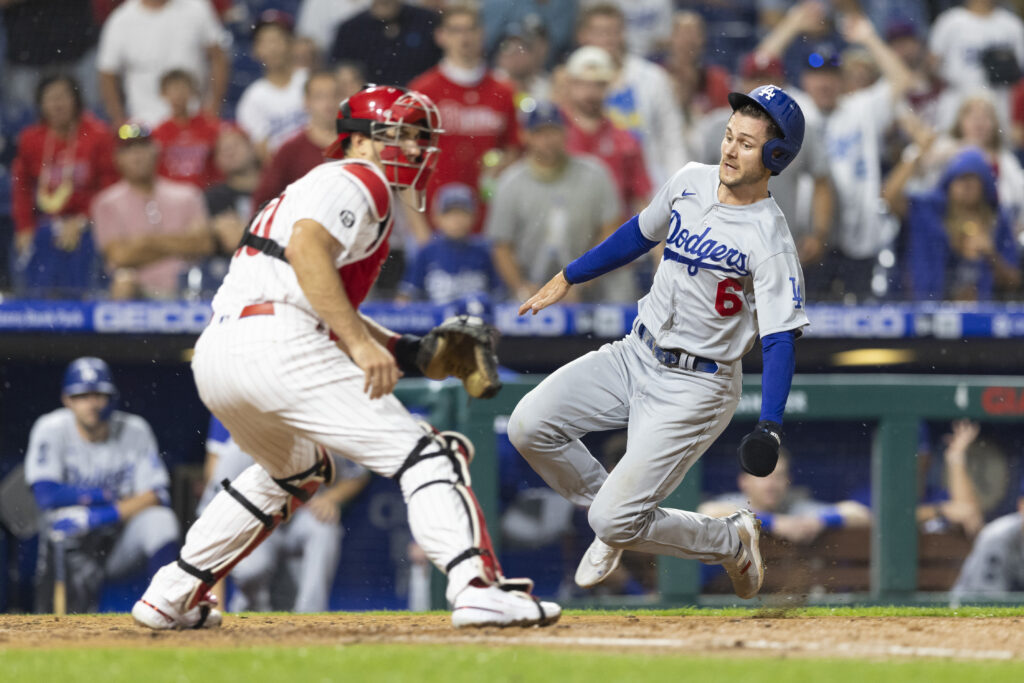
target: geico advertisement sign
<point>151,317</point>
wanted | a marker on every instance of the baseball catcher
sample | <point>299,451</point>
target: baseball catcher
<point>293,369</point>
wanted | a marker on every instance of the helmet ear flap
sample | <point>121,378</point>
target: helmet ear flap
<point>776,155</point>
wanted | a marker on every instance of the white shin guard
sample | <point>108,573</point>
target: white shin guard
<point>444,516</point>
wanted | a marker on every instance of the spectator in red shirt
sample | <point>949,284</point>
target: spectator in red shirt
<point>62,163</point>
<point>477,110</point>
<point>186,140</point>
<point>305,149</point>
<point>1017,114</point>
<point>590,70</point>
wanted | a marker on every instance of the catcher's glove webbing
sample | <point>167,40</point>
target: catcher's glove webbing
<point>462,346</point>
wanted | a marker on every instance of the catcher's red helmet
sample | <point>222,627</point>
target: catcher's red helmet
<point>394,116</point>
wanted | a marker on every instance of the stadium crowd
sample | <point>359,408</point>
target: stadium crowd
<point>139,136</point>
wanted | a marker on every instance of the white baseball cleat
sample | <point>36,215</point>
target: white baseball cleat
<point>492,606</point>
<point>155,613</point>
<point>746,569</point>
<point>597,564</point>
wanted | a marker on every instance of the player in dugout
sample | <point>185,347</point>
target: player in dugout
<point>98,478</point>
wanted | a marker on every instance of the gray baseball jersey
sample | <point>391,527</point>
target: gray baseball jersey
<point>126,464</point>
<point>729,273</point>
<point>996,563</point>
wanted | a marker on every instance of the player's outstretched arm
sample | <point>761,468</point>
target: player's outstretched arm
<point>551,293</point>
<point>622,246</point>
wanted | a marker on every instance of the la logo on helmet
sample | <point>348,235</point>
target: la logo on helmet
<point>768,92</point>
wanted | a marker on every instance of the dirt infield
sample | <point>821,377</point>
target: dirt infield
<point>881,637</point>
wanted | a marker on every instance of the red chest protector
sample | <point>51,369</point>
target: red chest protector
<point>358,277</point>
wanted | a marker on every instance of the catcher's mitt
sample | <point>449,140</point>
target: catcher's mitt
<point>462,346</point>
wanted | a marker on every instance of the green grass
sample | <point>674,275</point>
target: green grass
<point>453,664</point>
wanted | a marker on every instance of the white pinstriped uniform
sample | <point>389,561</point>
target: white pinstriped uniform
<point>278,382</point>
<point>280,385</point>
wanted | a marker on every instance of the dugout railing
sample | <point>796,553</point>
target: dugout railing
<point>894,404</point>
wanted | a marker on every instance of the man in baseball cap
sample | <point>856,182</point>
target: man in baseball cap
<point>995,566</point>
<point>590,71</point>
<point>98,478</point>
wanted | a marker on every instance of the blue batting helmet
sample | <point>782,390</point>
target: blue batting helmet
<point>785,112</point>
<point>89,375</point>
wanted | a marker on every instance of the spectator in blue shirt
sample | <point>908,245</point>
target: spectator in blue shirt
<point>454,265</point>
<point>960,242</point>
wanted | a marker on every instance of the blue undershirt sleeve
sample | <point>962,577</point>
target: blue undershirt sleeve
<point>779,361</point>
<point>50,494</point>
<point>621,247</point>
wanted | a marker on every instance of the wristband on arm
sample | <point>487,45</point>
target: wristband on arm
<point>404,348</point>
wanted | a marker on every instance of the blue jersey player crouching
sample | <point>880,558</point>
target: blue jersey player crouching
<point>102,488</point>
<point>730,273</point>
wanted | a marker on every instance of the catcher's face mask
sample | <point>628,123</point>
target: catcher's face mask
<point>405,125</point>
<point>410,136</point>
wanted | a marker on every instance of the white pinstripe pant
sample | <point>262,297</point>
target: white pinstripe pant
<point>279,385</point>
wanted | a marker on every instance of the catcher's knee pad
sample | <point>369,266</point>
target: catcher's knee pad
<point>241,516</point>
<point>303,485</point>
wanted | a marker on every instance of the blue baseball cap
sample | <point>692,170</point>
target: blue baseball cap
<point>455,196</point>
<point>543,114</point>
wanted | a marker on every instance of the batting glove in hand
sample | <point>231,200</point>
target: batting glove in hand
<point>71,521</point>
<point>77,520</point>
<point>759,450</point>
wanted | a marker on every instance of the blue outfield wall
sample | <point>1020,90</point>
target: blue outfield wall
<point>888,321</point>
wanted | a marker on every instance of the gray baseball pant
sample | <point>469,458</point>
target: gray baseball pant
<point>672,416</point>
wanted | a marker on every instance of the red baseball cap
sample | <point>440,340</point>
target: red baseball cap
<point>758,64</point>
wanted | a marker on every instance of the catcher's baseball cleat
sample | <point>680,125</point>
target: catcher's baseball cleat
<point>156,614</point>
<point>598,562</point>
<point>746,569</point>
<point>492,606</point>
